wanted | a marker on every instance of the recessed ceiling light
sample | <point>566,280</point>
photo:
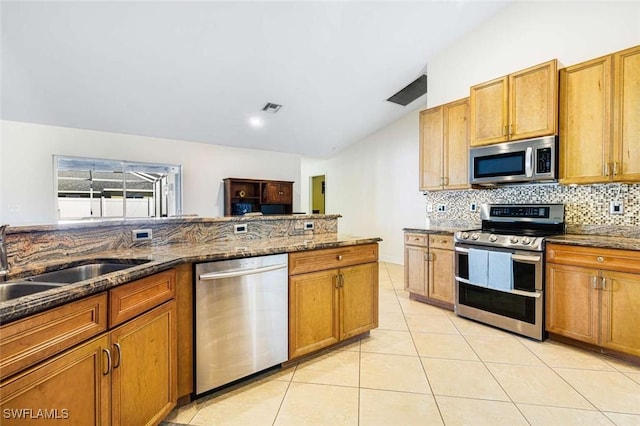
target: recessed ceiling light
<point>256,122</point>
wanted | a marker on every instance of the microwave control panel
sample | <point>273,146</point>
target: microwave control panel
<point>544,159</point>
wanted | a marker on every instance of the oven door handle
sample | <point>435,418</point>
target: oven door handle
<point>524,258</point>
<point>462,250</point>
<point>535,295</point>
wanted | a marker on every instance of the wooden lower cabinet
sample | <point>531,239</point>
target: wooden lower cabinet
<point>591,304</point>
<point>429,268</point>
<point>441,275</point>
<point>124,376</point>
<point>572,302</point>
<point>144,368</point>
<point>69,389</point>
<point>621,312</point>
<point>331,305</point>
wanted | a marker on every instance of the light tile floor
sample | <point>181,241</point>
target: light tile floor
<point>426,366</point>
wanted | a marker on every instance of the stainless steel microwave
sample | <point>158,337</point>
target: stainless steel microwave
<point>531,160</point>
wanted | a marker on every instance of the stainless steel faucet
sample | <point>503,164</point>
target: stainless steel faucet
<point>4,265</point>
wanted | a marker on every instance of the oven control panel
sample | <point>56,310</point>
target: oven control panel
<point>516,242</point>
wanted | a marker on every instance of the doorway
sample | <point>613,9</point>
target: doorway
<point>318,190</point>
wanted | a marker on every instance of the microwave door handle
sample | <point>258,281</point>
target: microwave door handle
<point>528,162</point>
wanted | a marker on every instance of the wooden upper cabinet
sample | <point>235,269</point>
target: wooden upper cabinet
<point>585,121</point>
<point>533,101</point>
<point>521,105</point>
<point>277,192</point>
<point>431,142</point>
<point>444,145</point>
<point>626,116</point>
<point>489,112</point>
<point>599,125</point>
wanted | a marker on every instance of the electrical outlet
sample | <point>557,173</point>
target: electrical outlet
<point>442,208</point>
<point>429,208</point>
<point>141,235</point>
<point>616,207</point>
<point>308,226</point>
<point>473,207</point>
<point>240,229</point>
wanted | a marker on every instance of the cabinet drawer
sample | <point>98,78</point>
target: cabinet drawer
<point>33,339</point>
<point>319,260</point>
<point>441,241</point>
<point>416,239</point>
<point>607,259</point>
<point>129,300</point>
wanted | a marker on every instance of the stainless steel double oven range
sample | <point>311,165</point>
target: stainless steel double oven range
<point>500,267</point>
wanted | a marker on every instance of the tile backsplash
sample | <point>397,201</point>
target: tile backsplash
<point>585,205</point>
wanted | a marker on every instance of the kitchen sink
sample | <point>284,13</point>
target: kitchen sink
<point>13,290</point>
<point>87,271</point>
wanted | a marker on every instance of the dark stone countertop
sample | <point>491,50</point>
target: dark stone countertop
<point>435,230</point>
<point>599,241</point>
<point>161,258</point>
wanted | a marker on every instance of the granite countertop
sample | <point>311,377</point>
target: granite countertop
<point>600,241</point>
<point>160,258</point>
<point>435,230</point>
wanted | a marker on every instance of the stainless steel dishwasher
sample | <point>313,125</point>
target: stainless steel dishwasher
<point>241,318</point>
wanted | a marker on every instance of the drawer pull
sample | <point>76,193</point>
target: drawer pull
<point>339,257</point>
<point>600,259</point>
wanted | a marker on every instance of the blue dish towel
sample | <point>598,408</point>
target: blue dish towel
<point>500,271</point>
<point>478,266</point>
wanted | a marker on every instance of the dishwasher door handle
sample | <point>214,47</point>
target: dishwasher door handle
<point>241,272</point>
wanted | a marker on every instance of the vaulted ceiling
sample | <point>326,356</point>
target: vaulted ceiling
<point>201,70</point>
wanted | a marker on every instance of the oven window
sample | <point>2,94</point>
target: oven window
<point>462,265</point>
<point>506,304</point>
<point>508,164</point>
<point>524,276</point>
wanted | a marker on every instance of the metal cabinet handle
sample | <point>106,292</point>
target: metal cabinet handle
<point>106,351</point>
<point>605,169</point>
<point>510,129</point>
<point>594,282</point>
<point>117,364</point>
<point>604,284</point>
<point>615,168</point>
<point>504,131</point>
<point>446,181</point>
<point>600,259</point>
<point>341,280</point>
<point>339,257</point>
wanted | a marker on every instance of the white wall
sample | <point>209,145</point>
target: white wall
<point>26,167</point>
<point>374,184</point>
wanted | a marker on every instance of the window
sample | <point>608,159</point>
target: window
<point>88,188</point>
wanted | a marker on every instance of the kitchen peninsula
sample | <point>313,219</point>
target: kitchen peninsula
<point>103,322</point>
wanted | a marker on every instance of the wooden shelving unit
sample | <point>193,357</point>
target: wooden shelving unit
<point>243,196</point>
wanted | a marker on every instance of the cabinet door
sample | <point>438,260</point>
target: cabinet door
<point>488,110</point>
<point>313,311</point>
<point>416,266</point>
<point>144,374</point>
<point>286,193</point>
<point>358,299</point>
<point>71,387</point>
<point>441,275</point>
<point>621,312</point>
<point>431,142</point>
<point>270,192</point>
<point>626,113</point>
<point>585,121</point>
<point>572,305</point>
<point>533,101</point>
<point>456,145</point>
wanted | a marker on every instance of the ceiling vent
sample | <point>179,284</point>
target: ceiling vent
<point>413,91</point>
<point>272,108</point>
